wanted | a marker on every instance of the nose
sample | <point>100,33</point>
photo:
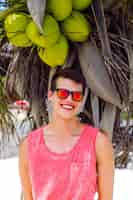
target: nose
<point>69,97</point>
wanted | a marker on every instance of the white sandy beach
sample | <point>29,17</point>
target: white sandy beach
<point>10,187</point>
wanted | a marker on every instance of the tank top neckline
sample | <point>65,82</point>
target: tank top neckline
<point>48,150</point>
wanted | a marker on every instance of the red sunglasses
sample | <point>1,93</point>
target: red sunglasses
<point>64,93</point>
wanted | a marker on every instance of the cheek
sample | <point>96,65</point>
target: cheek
<point>78,107</point>
<point>55,102</point>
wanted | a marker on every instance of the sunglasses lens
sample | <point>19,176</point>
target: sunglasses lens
<point>62,93</point>
<point>77,96</point>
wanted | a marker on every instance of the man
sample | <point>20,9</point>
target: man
<point>66,159</point>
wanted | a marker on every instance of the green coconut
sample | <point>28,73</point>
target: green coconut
<point>81,4</point>
<point>56,54</point>
<point>20,40</point>
<point>60,9</point>
<point>49,37</point>
<point>15,25</point>
<point>76,27</point>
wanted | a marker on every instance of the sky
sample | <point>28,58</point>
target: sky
<point>2,6</point>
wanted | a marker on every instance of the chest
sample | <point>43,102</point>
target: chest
<point>61,144</point>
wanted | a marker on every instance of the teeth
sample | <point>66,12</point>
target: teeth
<point>67,106</point>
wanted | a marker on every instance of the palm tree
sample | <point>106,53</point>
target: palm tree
<point>105,60</point>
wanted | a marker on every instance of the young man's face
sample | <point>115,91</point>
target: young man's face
<point>66,105</point>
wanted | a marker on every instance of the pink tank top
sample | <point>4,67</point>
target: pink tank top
<point>63,176</point>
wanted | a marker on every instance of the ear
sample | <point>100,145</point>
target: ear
<point>50,94</point>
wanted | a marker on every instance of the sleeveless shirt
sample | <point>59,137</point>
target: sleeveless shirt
<point>63,176</point>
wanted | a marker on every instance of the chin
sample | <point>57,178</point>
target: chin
<point>67,116</point>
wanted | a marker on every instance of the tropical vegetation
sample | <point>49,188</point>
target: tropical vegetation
<point>102,50</point>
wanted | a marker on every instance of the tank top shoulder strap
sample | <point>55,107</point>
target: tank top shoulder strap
<point>34,139</point>
<point>91,133</point>
<point>89,138</point>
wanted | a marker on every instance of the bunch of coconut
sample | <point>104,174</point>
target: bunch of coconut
<point>64,21</point>
<point>15,27</point>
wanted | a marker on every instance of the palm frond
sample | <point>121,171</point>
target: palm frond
<point>5,115</point>
<point>27,76</point>
<point>12,6</point>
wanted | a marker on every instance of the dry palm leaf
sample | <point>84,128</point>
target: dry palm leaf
<point>96,75</point>
<point>98,12</point>
<point>108,119</point>
<point>28,77</point>
<point>95,109</point>
<point>49,105</point>
<point>37,11</point>
<point>116,74</point>
<point>5,116</point>
<point>114,62</point>
<point>130,57</point>
<point>98,80</point>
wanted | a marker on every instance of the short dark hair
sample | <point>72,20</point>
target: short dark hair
<point>69,73</point>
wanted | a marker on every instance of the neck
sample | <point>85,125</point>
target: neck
<point>67,126</point>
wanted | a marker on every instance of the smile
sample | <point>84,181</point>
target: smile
<point>67,106</point>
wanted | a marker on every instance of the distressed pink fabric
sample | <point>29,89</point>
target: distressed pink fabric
<point>63,176</point>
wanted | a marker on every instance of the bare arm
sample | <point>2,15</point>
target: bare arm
<point>23,171</point>
<point>105,167</point>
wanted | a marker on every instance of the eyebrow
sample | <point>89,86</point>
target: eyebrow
<point>69,89</point>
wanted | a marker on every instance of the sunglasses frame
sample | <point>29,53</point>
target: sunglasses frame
<point>69,92</point>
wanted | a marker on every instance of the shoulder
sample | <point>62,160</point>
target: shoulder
<point>104,148</point>
<point>34,137</point>
<point>103,139</point>
<point>23,157</point>
<point>29,139</point>
<point>34,132</point>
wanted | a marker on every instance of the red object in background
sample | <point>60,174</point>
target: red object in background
<point>22,104</point>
